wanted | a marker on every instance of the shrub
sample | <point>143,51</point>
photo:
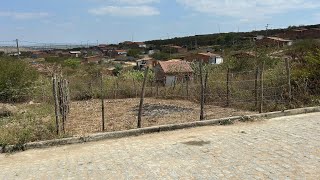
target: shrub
<point>72,63</point>
<point>16,77</point>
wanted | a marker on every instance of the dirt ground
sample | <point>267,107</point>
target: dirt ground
<point>85,116</point>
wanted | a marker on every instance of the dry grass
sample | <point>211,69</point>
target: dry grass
<point>85,116</point>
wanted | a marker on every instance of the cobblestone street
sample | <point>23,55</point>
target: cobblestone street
<point>280,148</point>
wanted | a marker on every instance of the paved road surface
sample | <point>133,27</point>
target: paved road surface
<point>281,148</point>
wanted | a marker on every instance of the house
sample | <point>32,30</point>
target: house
<point>208,58</point>
<point>142,63</point>
<point>39,54</point>
<point>274,42</point>
<point>141,44</point>
<point>172,71</point>
<point>120,52</point>
<point>153,51</point>
<point>174,49</point>
<point>133,45</point>
<point>92,59</point>
<point>75,53</point>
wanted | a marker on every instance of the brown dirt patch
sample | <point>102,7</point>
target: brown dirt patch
<point>85,116</point>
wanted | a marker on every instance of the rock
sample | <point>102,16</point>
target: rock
<point>7,110</point>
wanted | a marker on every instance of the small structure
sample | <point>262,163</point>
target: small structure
<point>208,58</point>
<point>39,54</point>
<point>142,63</point>
<point>169,72</point>
<point>120,52</point>
<point>274,42</point>
<point>75,53</point>
<point>92,59</point>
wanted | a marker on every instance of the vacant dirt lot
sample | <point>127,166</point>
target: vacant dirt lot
<point>85,116</point>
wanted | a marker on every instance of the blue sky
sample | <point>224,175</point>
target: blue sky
<point>112,21</point>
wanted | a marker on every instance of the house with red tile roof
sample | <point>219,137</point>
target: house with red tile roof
<point>172,71</point>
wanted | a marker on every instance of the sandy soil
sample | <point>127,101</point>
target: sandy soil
<point>85,116</point>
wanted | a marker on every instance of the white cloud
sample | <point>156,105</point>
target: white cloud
<point>125,11</point>
<point>24,15</point>
<point>248,9</point>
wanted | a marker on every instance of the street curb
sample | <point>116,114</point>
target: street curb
<point>156,129</point>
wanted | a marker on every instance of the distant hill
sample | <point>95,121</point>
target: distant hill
<point>235,38</point>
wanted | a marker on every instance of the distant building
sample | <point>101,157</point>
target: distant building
<point>75,53</point>
<point>172,71</point>
<point>120,53</point>
<point>133,45</point>
<point>92,59</point>
<point>274,42</point>
<point>142,63</point>
<point>208,58</point>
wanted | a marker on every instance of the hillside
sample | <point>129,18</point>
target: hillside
<point>240,39</point>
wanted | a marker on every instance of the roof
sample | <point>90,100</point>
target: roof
<point>124,51</point>
<point>177,47</point>
<point>279,39</point>
<point>140,43</point>
<point>175,66</point>
<point>209,54</point>
<point>75,52</point>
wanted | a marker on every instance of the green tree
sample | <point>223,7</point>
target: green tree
<point>72,63</point>
<point>16,77</point>
<point>134,53</point>
<point>161,56</point>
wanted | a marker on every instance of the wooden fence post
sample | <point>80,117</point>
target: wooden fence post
<point>142,96</point>
<point>187,88</point>
<point>256,92</point>
<point>289,80</point>
<point>102,102</point>
<point>202,91</point>
<point>261,88</point>
<point>206,86</point>
<point>228,87</point>
<point>56,102</point>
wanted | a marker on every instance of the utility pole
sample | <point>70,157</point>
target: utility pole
<point>17,41</point>
<point>267,26</point>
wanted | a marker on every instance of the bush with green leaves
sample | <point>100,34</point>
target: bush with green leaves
<point>72,63</point>
<point>16,80</point>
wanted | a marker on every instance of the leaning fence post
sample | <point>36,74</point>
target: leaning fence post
<point>261,88</point>
<point>206,87</point>
<point>102,102</point>
<point>256,91</point>
<point>142,96</point>
<point>202,91</point>
<point>289,80</point>
<point>56,101</point>
<point>228,87</point>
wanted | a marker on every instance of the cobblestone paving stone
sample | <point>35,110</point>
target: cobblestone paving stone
<point>280,148</point>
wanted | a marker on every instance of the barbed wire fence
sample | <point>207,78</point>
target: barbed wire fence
<point>258,90</point>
